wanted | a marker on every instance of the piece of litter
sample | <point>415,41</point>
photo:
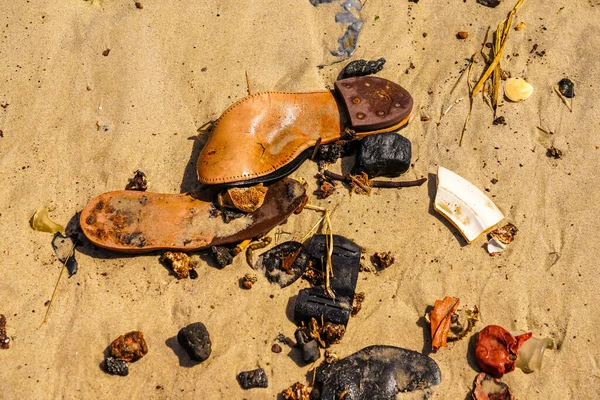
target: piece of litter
<point>42,222</point>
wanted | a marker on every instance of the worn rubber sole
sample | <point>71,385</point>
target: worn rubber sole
<point>138,222</point>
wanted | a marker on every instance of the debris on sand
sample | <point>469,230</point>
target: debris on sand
<point>42,222</point>
<point>378,372</point>
<point>64,249</point>
<point>440,318</point>
<point>555,153</point>
<point>362,68</point>
<point>222,255</point>
<point>497,350</point>
<point>246,199</point>
<point>253,379</point>
<point>385,154</point>
<point>462,35</point>
<point>383,260</point>
<point>566,88</point>
<point>489,3</point>
<point>195,340</point>
<point>116,367</point>
<point>248,281</point>
<point>500,238</point>
<point>357,303</point>
<point>517,89</point>
<point>4,339</point>
<point>180,263</point>
<point>129,347</point>
<point>284,264</point>
<point>489,388</point>
<point>139,182</point>
<point>297,391</point>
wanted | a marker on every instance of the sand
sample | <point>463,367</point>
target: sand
<point>77,123</point>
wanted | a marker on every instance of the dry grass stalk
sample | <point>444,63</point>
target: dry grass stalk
<point>64,266</point>
<point>563,98</point>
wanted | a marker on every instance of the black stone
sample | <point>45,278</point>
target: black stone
<point>385,154</point>
<point>378,372</point>
<point>566,88</point>
<point>195,339</point>
<point>253,379</point>
<point>311,351</point>
<point>193,274</point>
<point>362,68</point>
<point>116,367</point>
<point>489,3</point>
<point>222,255</point>
<point>271,262</point>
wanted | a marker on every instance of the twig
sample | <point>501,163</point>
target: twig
<point>377,184</point>
<point>562,97</point>
<point>248,84</point>
<point>498,55</point>
<point>314,153</point>
<point>64,266</point>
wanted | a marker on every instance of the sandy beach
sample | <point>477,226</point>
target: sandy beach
<point>93,90</point>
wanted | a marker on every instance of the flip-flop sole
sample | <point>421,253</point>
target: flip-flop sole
<point>137,222</point>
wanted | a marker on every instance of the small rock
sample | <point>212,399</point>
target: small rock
<point>386,154</point>
<point>116,367</point>
<point>195,339</point>
<point>222,255</point>
<point>566,88</point>
<point>362,68</point>
<point>193,274</point>
<point>64,247</point>
<point>248,281</point>
<point>489,3</point>
<point>276,348</point>
<point>180,262</point>
<point>462,35</point>
<point>383,260</point>
<point>129,347</point>
<point>253,379</point>
<point>139,5</point>
<point>311,351</point>
<point>106,52</point>
<point>500,121</point>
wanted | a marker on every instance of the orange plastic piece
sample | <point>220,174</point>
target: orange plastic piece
<point>440,319</point>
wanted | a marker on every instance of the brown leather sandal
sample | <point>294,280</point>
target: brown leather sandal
<point>266,136</point>
<point>137,222</point>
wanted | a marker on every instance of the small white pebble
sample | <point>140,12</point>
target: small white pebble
<point>517,89</point>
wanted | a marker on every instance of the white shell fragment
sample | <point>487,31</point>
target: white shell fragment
<point>465,206</point>
<point>517,89</point>
<point>495,246</point>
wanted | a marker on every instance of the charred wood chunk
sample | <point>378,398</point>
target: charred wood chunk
<point>385,154</point>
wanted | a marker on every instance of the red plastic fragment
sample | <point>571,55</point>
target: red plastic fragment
<point>497,350</point>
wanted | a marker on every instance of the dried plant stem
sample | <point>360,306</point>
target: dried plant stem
<point>248,84</point>
<point>377,184</point>
<point>563,98</point>
<point>497,56</point>
<point>64,266</point>
<point>328,241</point>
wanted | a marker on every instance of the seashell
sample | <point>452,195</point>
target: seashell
<point>517,89</point>
<point>465,206</point>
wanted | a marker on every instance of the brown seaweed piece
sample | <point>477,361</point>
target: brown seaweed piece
<point>383,260</point>
<point>440,318</point>
<point>489,388</point>
<point>497,350</point>
<point>137,222</point>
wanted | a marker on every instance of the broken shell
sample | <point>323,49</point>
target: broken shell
<point>530,354</point>
<point>501,237</point>
<point>462,322</point>
<point>489,388</point>
<point>42,222</point>
<point>495,247</point>
<point>465,206</point>
<point>517,89</point>
<point>244,199</point>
